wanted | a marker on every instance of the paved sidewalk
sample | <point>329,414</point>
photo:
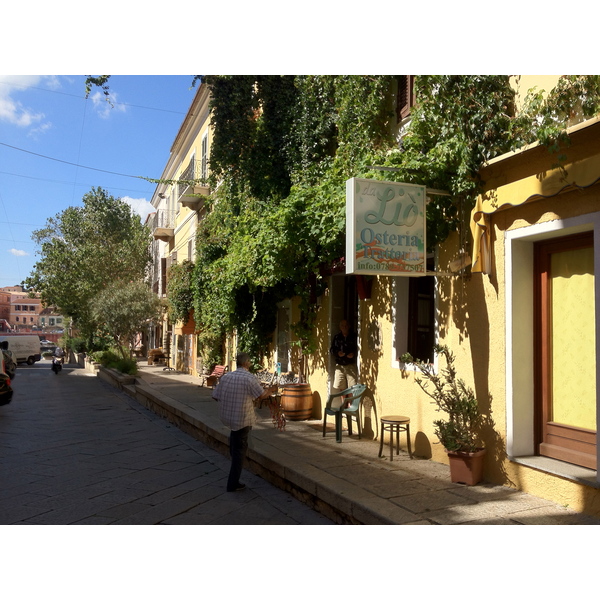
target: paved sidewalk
<point>346,482</point>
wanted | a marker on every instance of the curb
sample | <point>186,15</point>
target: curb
<point>315,488</point>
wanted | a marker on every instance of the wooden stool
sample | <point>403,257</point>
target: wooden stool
<point>395,424</point>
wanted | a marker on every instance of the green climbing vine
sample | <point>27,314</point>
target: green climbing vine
<point>282,149</point>
<point>284,146</point>
<point>179,291</point>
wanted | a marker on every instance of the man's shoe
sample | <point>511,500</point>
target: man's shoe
<point>238,488</point>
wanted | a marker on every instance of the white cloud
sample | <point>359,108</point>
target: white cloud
<point>16,252</point>
<point>140,206</point>
<point>11,110</point>
<point>103,107</point>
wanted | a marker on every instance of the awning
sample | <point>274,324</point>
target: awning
<point>577,175</point>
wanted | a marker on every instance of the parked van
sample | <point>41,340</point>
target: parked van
<point>26,348</point>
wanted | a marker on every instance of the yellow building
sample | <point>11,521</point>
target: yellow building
<point>519,314</point>
<point>179,204</point>
<point>521,321</point>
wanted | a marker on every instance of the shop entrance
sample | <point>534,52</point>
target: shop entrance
<point>344,305</point>
<point>565,349</point>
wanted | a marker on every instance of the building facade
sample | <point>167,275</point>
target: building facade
<point>521,320</point>
<point>23,312</point>
<point>520,312</point>
<point>179,203</point>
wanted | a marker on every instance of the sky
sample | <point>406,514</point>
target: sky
<point>55,145</point>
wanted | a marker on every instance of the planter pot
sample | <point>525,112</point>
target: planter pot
<point>297,401</point>
<point>466,467</point>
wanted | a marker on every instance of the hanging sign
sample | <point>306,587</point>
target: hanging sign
<point>385,228</point>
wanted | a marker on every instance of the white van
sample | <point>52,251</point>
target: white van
<point>25,347</point>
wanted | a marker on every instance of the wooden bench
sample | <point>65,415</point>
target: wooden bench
<point>214,377</point>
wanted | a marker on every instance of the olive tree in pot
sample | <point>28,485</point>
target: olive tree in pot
<point>459,432</point>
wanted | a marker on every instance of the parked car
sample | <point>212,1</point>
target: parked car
<point>10,360</point>
<point>6,392</point>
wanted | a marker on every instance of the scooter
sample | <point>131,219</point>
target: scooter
<point>56,364</point>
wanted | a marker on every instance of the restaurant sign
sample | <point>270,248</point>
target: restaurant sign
<point>385,228</point>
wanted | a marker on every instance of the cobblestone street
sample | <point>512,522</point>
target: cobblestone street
<point>76,451</point>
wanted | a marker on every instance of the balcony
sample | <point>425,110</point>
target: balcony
<point>192,189</point>
<point>162,225</point>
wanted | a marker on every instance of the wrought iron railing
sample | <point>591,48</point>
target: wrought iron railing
<point>193,173</point>
<point>163,219</point>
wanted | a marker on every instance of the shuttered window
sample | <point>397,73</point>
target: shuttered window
<point>406,97</point>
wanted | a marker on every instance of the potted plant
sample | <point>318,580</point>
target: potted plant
<point>457,433</point>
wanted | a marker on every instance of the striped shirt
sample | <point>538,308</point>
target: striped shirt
<point>236,393</point>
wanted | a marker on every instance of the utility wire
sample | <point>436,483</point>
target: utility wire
<point>32,87</point>
<point>72,164</point>
<point>69,182</point>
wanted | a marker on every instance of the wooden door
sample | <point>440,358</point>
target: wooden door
<point>565,374</point>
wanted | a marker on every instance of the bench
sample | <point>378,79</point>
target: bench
<point>213,378</point>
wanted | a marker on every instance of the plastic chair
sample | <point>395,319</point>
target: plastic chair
<point>346,402</point>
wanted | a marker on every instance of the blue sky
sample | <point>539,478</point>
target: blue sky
<point>46,119</point>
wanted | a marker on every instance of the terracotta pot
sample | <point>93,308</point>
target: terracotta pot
<point>466,467</point>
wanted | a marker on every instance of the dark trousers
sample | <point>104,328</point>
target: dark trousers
<point>238,445</point>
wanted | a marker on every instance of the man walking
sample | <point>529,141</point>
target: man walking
<point>236,393</point>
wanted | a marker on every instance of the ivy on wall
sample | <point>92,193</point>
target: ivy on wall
<point>283,148</point>
<point>179,291</point>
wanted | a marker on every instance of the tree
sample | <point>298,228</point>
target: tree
<point>124,309</point>
<point>85,249</point>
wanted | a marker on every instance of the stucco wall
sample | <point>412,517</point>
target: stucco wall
<point>471,320</point>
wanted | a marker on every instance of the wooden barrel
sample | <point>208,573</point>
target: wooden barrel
<point>297,401</point>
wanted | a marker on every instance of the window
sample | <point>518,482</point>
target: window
<point>421,316</point>
<point>174,206</point>
<point>204,166</point>
<point>283,335</point>
<point>414,328</point>
<point>405,99</point>
<point>163,276</point>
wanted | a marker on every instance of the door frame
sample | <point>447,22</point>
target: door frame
<point>552,439</point>
<point>519,326</point>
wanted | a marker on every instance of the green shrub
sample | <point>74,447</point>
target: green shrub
<point>111,360</point>
<point>127,366</point>
<point>77,345</point>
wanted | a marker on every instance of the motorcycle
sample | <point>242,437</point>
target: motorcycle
<point>56,364</point>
